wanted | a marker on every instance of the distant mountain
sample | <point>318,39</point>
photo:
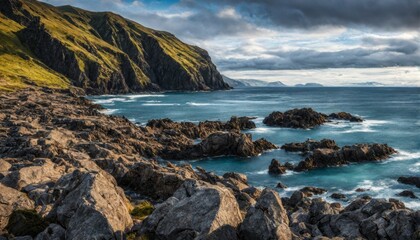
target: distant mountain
<point>101,52</point>
<point>309,85</point>
<point>240,83</point>
<point>368,84</point>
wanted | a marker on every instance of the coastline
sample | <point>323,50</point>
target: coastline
<point>60,136</point>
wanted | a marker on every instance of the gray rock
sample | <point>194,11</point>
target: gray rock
<point>11,199</point>
<point>52,232</point>
<point>196,211</point>
<point>91,205</point>
<point>267,220</point>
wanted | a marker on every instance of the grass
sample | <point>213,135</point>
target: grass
<point>79,31</point>
<point>142,210</point>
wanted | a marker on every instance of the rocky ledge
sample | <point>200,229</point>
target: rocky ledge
<point>326,153</point>
<point>69,172</point>
<point>305,118</point>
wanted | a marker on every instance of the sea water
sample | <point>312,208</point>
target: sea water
<point>392,116</point>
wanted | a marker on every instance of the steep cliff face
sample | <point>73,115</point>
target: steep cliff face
<point>105,53</point>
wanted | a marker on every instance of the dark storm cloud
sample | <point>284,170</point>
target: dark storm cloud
<point>385,14</point>
<point>394,53</point>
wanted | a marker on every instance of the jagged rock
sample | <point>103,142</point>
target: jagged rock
<point>276,168</point>
<point>43,171</point>
<point>91,205</point>
<point>361,190</point>
<point>238,176</point>
<point>310,191</point>
<point>345,116</point>
<point>157,182</point>
<point>356,153</point>
<point>296,118</point>
<point>281,185</point>
<point>222,144</point>
<point>267,220</point>
<point>10,200</point>
<point>52,232</point>
<point>216,213</point>
<point>410,180</point>
<point>407,193</point>
<point>338,196</point>
<point>310,145</point>
<point>253,192</point>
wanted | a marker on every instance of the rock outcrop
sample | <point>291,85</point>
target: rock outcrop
<point>196,211</point>
<point>310,145</point>
<point>325,157</point>
<point>296,118</point>
<point>305,118</point>
<point>222,144</point>
<point>267,219</point>
<point>412,180</point>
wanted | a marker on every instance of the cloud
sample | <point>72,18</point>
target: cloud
<point>384,14</point>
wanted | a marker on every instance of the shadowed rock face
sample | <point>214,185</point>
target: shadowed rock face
<point>310,145</point>
<point>105,53</point>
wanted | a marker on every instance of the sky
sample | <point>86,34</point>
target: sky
<point>332,42</point>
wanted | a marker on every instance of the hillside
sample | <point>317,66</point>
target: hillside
<point>241,83</point>
<point>99,51</point>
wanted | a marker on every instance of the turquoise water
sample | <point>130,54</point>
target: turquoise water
<point>392,116</point>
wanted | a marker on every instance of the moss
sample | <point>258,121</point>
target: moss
<point>142,210</point>
<point>26,222</point>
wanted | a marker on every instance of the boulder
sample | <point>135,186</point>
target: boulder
<point>276,168</point>
<point>196,211</point>
<point>345,116</point>
<point>281,185</point>
<point>26,222</point>
<point>412,180</point>
<point>52,232</point>
<point>10,200</point>
<point>310,191</point>
<point>407,193</point>
<point>325,157</point>
<point>296,118</point>
<point>338,196</point>
<point>267,219</point>
<point>91,205</point>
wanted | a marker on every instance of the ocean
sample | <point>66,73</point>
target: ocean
<point>392,116</point>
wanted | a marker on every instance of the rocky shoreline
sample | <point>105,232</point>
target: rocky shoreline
<point>68,171</point>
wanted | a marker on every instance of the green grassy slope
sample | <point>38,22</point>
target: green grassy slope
<point>101,52</point>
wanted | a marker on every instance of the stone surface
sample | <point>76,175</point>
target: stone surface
<point>296,118</point>
<point>267,220</point>
<point>215,212</point>
<point>91,206</point>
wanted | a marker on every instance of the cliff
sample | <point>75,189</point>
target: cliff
<point>101,52</point>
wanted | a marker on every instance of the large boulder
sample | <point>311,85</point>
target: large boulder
<point>412,180</point>
<point>267,219</point>
<point>296,118</point>
<point>196,211</point>
<point>10,200</point>
<point>326,157</point>
<point>276,168</point>
<point>91,205</point>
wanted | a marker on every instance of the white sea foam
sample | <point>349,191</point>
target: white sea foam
<point>145,96</point>
<point>153,101</point>
<point>415,168</point>
<point>262,130</point>
<point>109,100</point>
<point>403,155</point>
<point>161,104</point>
<point>365,126</point>
<point>198,104</point>
<point>109,111</point>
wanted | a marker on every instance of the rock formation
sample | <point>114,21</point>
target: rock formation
<point>101,52</point>
<point>305,118</point>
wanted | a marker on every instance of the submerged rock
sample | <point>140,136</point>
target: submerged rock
<point>410,180</point>
<point>407,193</point>
<point>310,145</point>
<point>345,116</point>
